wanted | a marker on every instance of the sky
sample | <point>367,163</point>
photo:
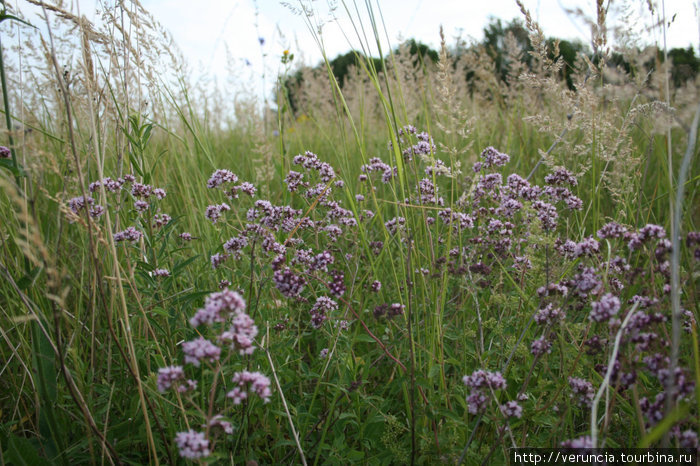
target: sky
<point>217,36</point>
<point>206,29</point>
<point>203,29</point>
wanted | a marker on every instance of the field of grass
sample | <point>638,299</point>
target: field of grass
<point>413,268</point>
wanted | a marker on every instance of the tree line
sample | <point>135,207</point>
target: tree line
<point>684,63</point>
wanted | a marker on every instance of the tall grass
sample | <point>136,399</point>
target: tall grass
<point>489,328</point>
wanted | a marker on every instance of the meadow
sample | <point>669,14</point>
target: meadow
<point>434,261</point>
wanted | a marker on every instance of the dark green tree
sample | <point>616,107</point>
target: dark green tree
<point>685,65</point>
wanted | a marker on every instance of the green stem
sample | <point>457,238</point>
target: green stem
<point>8,120</point>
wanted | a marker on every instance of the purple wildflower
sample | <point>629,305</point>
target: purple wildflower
<point>573,202</point>
<point>476,401</point>
<point>395,224</point>
<point>289,284</point>
<point>326,172</point>
<point>141,190</point>
<point>479,381</point>
<point>337,285</point>
<point>488,183</point>
<point>438,168</point>
<point>424,146</point>
<point>169,376</point>
<point>236,243</point>
<point>493,158</point>
<point>549,315</point>
<point>561,176</point>
<point>108,183</point>
<point>188,386</point>
<point>140,205</point>
<point>294,180</point>
<point>96,211</point>
<point>509,207</point>
<point>219,422</point>
<point>213,212</point>
<point>159,193</point>
<point>688,439</point>
<point>192,444</point>
<point>78,203</point>
<point>547,214</point>
<point>321,261</point>
<point>582,391</point>
<point>319,311</point>
<point>611,230</point>
<point>220,177</point>
<point>395,309</point>
<point>693,237</point>
<point>342,324</point>
<point>257,381</point>
<point>635,240</point>
<point>541,346</point>
<point>199,349</point>
<point>604,309</point>
<point>160,220</point>
<point>218,259</point>
<point>587,247</point>
<point>512,409</point>
<point>580,442</point>
<point>130,234</point>
<point>587,281</point>
<point>217,307</point>
<point>241,334</point>
<point>247,188</point>
<point>483,379</point>
<point>553,288</point>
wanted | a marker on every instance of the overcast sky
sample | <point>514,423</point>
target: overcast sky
<point>202,28</point>
<point>205,29</point>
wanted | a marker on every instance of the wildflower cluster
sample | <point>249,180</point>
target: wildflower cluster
<point>597,288</point>
<point>118,191</point>
<point>424,144</point>
<point>483,384</point>
<point>235,332</point>
<point>309,245</point>
<point>278,231</point>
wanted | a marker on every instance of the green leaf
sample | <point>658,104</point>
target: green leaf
<point>653,436</point>
<point>145,134</point>
<point>20,452</point>
<point>188,298</point>
<point>135,164</point>
<point>44,368</point>
<point>4,16</point>
<point>144,266</point>
<point>160,311</point>
<point>181,265</point>
<point>8,164</point>
<point>363,337</point>
<point>29,279</point>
